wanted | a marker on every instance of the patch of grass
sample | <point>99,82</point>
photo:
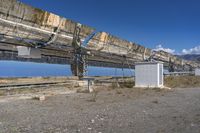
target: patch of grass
<point>182,81</point>
<point>5,92</point>
<point>157,89</point>
<point>127,84</point>
<point>114,85</point>
<point>2,93</point>
<point>82,90</point>
<point>23,90</point>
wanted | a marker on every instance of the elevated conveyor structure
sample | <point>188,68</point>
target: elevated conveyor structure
<point>59,42</point>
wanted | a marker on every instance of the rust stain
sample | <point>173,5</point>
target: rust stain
<point>53,20</point>
<point>104,37</point>
<point>39,16</point>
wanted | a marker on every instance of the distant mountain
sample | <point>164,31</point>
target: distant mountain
<point>192,57</point>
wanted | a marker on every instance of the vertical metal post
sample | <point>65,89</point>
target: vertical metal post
<point>77,65</point>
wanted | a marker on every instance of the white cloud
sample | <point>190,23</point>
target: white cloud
<point>160,47</point>
<point>195,50</point>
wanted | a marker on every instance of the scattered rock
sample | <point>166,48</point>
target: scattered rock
<point>155,101</point>
<point>167,88</point>
<point>192,124</point>
<point>82,90</point>
<point>101,119</point>
<point>92,120</point>
<point>41,98</point>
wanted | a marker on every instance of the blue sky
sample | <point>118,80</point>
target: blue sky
<point>172,24</point>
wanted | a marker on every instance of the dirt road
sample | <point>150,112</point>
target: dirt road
<point>118,111</point>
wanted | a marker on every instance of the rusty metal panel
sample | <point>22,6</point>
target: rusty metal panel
<point>23,21</point>
<point>12,10</point>
<point>112,44</point>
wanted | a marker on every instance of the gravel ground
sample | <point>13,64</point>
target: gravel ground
<point>118,111</point>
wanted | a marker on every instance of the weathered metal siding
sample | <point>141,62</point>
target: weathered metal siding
<point>112,44</point>
<point>167,57</point>
<point>15,11</point>
<point>18,12</point>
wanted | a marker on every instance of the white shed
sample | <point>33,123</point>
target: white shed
<point>149,74</point>
<point>197,72</point>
